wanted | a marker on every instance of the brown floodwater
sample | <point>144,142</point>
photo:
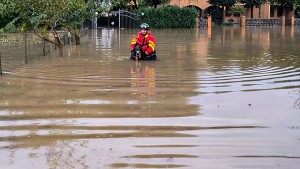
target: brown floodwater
<point>215,99</point>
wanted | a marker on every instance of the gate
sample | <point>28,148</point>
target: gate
<point>125,19</point>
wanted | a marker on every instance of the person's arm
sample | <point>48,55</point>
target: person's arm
<point>133,43</point>
<point>151,45</point>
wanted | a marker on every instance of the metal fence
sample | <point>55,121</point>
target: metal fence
<point>263,22</point>
<point>125,19</point>
<point>19,49</point>
<point>203,22</point>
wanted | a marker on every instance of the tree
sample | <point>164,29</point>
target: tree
<point>237,10</point>
<point>222,4</point>
<point>81,10</point>
<point>155,3</point>
<point>46,17</point>
<point>254,3</point>
<point>285,3</point>
<point>39,16</point>
<point>288,4</point>
<point>77,14</point>
<point>117,4</point>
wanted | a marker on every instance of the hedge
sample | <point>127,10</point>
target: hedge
<point>169,17</point>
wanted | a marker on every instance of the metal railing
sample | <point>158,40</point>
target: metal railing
<point>17,49</point>
<point>203,23</point>
<point>263,22</point>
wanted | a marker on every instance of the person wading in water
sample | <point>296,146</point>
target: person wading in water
<point>143,45</point>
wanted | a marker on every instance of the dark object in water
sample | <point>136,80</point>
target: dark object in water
<point>138,54</point>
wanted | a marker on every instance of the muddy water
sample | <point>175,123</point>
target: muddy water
<point>220,98</point>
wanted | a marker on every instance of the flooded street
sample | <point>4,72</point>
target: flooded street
<point>215,99</point>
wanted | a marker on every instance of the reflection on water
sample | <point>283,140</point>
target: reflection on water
<point>143,78</point>
<point>221,98</point>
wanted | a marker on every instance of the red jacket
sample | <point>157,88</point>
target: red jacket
<point>148,42</point>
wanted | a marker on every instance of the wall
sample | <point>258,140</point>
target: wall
<point>203,4</point>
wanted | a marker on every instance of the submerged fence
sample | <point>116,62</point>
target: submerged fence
<point>0,65</point>
<point>17,49</point>
<point>203,22</point>
<point>282,21</point>
<point>263,22</point>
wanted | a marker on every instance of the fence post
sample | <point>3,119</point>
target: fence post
<point>119,18</point>
<point>0,65</point>
<point>283,21</point>
<point>25,48</point>
<point>209,22</point>
<point>243,21</point>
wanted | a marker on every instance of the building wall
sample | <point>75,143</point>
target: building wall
<point>264,13</point>
<point>202,4</point>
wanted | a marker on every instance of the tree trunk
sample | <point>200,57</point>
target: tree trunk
<point>135,4</point>
<point>60,50</point>
<point>77,39</point>
<point>59,45</point>
<point>57,41</point>
<point>44,48</point>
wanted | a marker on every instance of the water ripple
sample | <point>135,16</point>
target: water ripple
<point>256,79</point>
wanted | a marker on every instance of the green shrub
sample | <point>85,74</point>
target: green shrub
<point>169,17</point>
<point>10,28</point>
<point>8,23</point>
<point>237,10</point>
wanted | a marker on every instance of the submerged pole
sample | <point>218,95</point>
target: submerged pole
<point>119,18</point>
<point>0,65</point>
<point>25,48</point>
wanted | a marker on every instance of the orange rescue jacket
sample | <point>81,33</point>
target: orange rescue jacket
<point>147,40</point>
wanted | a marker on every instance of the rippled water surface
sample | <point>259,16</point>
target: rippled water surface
<point>222,98</point>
